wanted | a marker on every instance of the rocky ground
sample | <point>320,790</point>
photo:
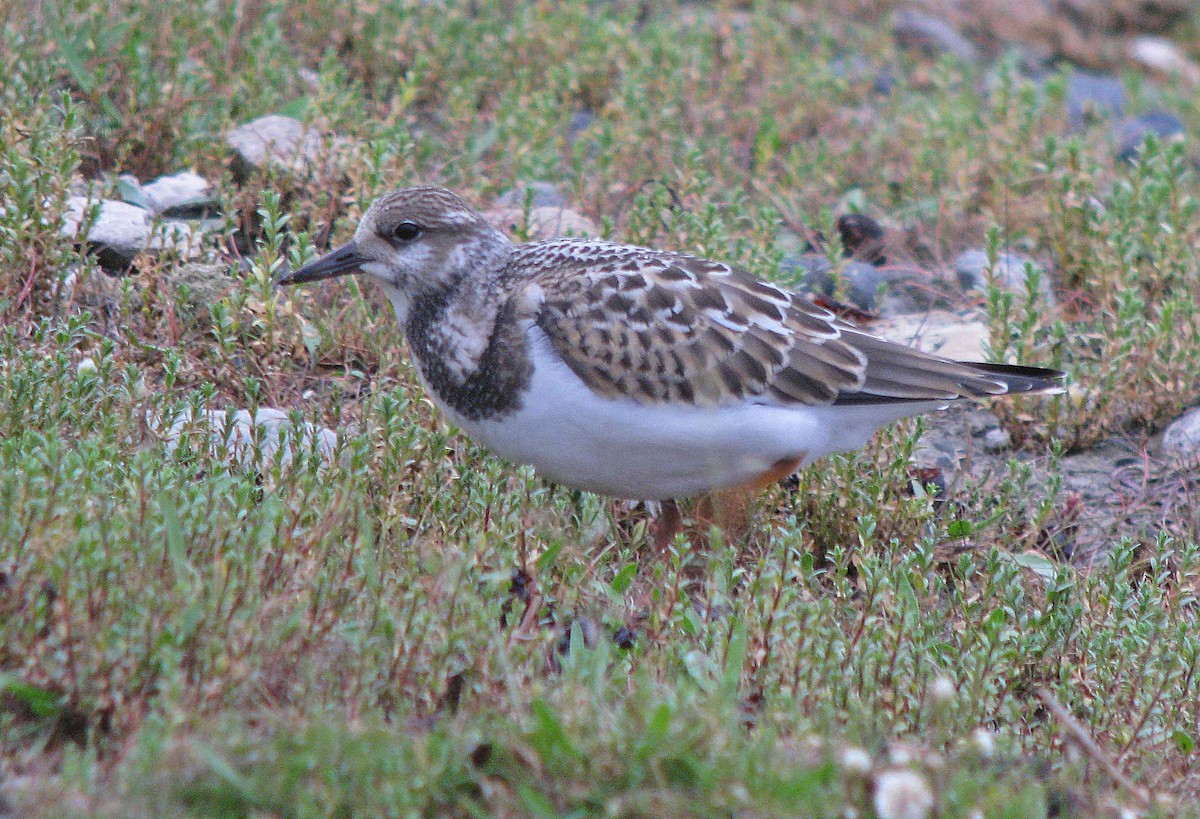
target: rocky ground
<point>1129,485</point>
<point>246,569</point>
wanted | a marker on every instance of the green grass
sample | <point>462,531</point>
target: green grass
<point>182,632</point>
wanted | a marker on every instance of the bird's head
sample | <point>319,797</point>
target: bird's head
<point>414,241</point>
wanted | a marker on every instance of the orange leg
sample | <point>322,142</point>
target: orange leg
<point>666,526</point>
<point>732,510</point>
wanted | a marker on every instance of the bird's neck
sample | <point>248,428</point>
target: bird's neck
<point>468,352</point>
<point>455,324</point>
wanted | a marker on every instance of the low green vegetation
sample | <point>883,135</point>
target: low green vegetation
<point>408,626</point>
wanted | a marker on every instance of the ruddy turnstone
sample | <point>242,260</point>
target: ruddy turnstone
<point>632,372</point>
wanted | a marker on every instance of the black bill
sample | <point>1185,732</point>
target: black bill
<point>345,259</point>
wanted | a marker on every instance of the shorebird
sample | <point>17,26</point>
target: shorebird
<point>632,372</point>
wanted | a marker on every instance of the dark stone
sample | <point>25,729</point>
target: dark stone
<point>1131,133</point>
<point>932,35</point>
<point>862,238</point>
<point>625,637</point>
<point>587,629</point>
<point>1092,96</point>
<point>815,275</point>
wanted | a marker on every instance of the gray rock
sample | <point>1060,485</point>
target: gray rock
<point>1131,133</point>
<point>184,195</point>
<point>1092,96</point>
<point>932,35</point>
<point>1182,438</point>
<point>545,195</point>
<point>1009,273</point>
<point>581,120</point>
<point>542,223</point>
<point>815,275</point>
<point>268,435</point>
<point>982,422</point>
<point>277,140</point>
<point>119,234</point>
<point>884,82</point>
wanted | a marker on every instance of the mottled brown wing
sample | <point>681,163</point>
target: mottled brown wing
<point>668,328</point>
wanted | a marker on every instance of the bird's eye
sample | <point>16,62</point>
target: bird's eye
<point>407,231</point>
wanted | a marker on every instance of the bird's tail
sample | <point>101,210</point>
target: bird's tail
<point>1019,379</point>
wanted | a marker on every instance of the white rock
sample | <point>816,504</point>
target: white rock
<point>996,440</point>
<point>1163,57</point>
<point>984,742</point>
<point>121,228</point>
<point>900,754</point>
<point>942,332</point>
<point>282,141</point>
<point>925,32</point>
<point>854,760</point>
<point>544,195</point>
<point>1009,272</point>
<point>179,194</point>
<point>1182,438</point>
<point>942,689</point>
<point>902,794</point>
<point>269,431</point>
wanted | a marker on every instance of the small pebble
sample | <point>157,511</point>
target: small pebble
<point>942,689</point>
<point>996,440</point>
<point>855,760</point>
<point>902,794</point>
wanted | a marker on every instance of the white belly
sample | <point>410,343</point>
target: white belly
<point>654,452</point>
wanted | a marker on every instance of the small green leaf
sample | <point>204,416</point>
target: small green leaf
<point>701,668</point>
<point>1184,741</point>
<point>173,530</point>
<point>1041,566</point>
<point>537,802</point>
<point>546,559</point>
<point>548,737</point>
<point>624,578</point>
<point>959,528</point>
<point>40,702</point>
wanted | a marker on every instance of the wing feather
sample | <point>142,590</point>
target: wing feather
<point>663,327</point>
<point>659,327</point>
